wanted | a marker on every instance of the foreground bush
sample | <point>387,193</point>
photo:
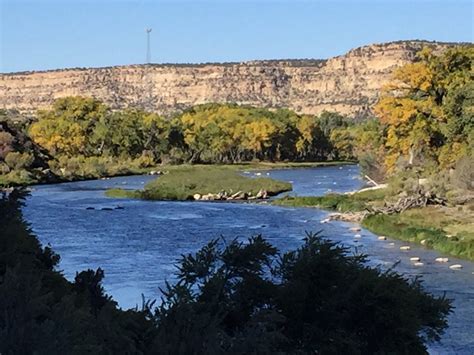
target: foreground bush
<point>235,297</point>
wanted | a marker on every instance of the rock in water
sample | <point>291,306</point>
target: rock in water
<point>262,194</point>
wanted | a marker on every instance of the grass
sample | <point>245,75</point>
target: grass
<point>433,225</point>
<point>429,226</point>
<point>121,193</point>
<point>181,183</point>
<point>335,202</point>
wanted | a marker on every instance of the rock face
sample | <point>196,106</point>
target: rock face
<point>348,84</point>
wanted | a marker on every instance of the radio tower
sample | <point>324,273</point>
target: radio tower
<point>148,102</point>
<point>148,48</point>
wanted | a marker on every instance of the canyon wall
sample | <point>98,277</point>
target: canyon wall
<point>349,84</point>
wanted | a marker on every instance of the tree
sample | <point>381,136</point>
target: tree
<point>428,106</point>
<point>66,128</point>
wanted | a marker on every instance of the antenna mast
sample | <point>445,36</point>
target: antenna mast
<point>148,47</point>
<point>148,82</point>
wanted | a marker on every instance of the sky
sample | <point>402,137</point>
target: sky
<point>53,34</point>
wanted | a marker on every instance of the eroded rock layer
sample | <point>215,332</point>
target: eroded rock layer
<point>349,84</point>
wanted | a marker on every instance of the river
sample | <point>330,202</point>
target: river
<point>138,245</point>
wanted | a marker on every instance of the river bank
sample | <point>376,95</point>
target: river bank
<point>445,229</point>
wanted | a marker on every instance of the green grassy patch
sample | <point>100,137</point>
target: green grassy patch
<point>121,193</point>
<point>447,229</point>
<point>181,183</point>
<point>334,202</point>
<point>418,226</point>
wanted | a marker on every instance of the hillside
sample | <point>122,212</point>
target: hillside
<point>348,84</point>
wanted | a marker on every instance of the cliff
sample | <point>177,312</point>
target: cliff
<point>348,84</point>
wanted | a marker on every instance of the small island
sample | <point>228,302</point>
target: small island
<point>206,183</point>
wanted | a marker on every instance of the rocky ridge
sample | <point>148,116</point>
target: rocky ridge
<point>349,84</point>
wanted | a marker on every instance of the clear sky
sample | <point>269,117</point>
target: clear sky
<point>50,34</point>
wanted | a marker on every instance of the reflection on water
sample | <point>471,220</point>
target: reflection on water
<point>138,245</point>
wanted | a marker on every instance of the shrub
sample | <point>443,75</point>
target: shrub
<point>463,176</point>
<point>17,161</point>
<point>6,140</point>
<point>4,169</point>
<point>146,160</point>
<point>241,296</point>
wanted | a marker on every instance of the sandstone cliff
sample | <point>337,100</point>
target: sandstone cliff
<point>348,84</point>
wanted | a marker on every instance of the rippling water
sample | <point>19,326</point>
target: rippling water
<point>138,245</point>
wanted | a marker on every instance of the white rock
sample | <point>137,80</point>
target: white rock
<point>449,235</point>
<point>418,264</point>
<point>358,236</point>
<point>442,260</point>
<point>326,220</point>
<point>382,237</point>
<point>415,258</point>
<point>405,247</point>
<point>258,174</point>
<point>354,229</point>
<point>197,197</point>
<point>423,242</point>
<point>456,267</point>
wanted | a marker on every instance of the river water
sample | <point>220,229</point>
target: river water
<point>138,245</point>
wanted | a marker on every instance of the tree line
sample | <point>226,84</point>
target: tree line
<point>210,133</point>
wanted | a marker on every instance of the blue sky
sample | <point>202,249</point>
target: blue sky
<point>49,34</point>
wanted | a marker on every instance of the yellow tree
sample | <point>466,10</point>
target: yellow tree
<point>67,127</point>
<point>429,108</point>
<point>258,135</point>
<point>411,112</point>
